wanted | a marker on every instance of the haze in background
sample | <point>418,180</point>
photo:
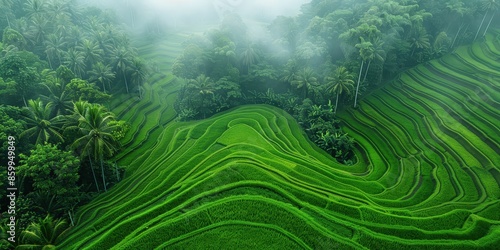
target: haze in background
<point>183,14</point>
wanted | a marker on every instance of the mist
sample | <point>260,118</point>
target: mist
<point>196,14</point>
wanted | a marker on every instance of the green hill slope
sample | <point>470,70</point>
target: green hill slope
<point>427,176</point>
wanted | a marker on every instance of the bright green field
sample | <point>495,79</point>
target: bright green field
<point>427,174</point>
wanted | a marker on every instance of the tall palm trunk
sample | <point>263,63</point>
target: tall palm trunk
<point>103,179</point>
<point>93,174</point>
<point>456,35</point>
<point>481,25</point>
<point>488,26</point>
<point>359,80</point>
<point>336,103</point>
<point>125,78</point>
<point>48,59</point>
<point>103,87</point>
<point>366,71</point>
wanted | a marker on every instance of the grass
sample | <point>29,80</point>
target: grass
<point>428,174</point>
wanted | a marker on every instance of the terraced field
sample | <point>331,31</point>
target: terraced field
<point>148,115</point>
<point>427,172</point>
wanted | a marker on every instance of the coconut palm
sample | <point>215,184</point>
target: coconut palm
<point>41,124</point>
<point>97,141</point>
<point>6,9</point>
<point>91,52</point>
<point>366,54</point>
<point>75,60</point>
<point>102,74</point>
<point>489,5</point>
<point>35,7</point>
<point>202,84</point>
<point>39,29</point>
<point>419,40</point>
<point>54,48</point>
<point>72,126</point>
<point>378,54</point>
<point>138,71</point>
<point>248,57</point>
<point>305,80</point>
<point>341,81</point>
<point>121,60</point>
<point>43,235</point>
<point>58,97</point>
<point>74,36</point>
<point>103,40</point>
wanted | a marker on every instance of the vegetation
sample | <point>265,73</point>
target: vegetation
<point>356,124</point>
<point>58,62</point>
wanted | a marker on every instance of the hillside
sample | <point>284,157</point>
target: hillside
<point>427,171</point>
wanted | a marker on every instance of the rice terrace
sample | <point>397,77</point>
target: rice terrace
<point>228,142</point>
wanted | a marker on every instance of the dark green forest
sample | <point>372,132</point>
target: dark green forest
<point>351,125</point>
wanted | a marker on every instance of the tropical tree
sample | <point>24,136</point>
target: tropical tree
<point>378,54</point>
<point>14,68</point>
<point>489,5</point>
<point>305,80</point>
<point>6,9</point>
<point>102,74</point>
<point>53,174</point>
<point>97,141</point>
<point>419,40</point>
<point>366,54</point>
<point>54,48</point>
<point>103,40</point>
<point>202,85</point>
<point>90,51</point>
<point>75,60</point>
<point>138,73</point>
<point>35,7</point>
<point>45,234</point>
<point>57,96</point>
<point>41,124</point>
<point>248,57</point>
<point>341,81</point>
<point>122,59</point>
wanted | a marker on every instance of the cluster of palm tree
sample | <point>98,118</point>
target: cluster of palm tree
<point>89,125</point>
<point>84,40</point>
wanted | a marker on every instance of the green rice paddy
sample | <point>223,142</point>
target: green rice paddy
<point>427,171</point>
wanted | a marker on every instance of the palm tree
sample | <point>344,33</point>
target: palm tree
<point>75,36</point>
<point>102,73</point>
<point>378,54</point>
<point>35,7</point>
<point>97,141</point>
<point>59,10</point>
<point>43,235</point>
<point>420,40</point>
<point>41,124</point>
<point>290,71</point>
<point>39,29</point>
<point>202,84</point>
<point>72,126</point>
<point>489,5</point>
<point>138,71</point>
<point>305,80</point>
<point>122,60</point>
<point>366,53</point>
<point>58,97</point>
<point>54,47</point>
<point>102,40</point>
<point>248,57</point>
<point>75,60</point>
<point>6,9</point>
<point>342,81</point>
<point>91,52</point>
